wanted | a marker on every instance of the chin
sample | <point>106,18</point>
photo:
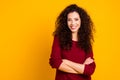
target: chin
<point>73,31</point>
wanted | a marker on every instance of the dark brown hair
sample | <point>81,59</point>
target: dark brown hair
<point>85,33</point>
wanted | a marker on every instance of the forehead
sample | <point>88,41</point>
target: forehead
<point>73,14</point>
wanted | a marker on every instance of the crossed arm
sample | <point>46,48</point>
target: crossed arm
<point>68,66</point>
<point>73,67</point>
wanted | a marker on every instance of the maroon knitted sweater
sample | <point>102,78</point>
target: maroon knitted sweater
<point>75,54</point>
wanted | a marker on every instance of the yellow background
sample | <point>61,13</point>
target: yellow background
<point>26,28</point>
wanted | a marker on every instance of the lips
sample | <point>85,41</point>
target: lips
<point>73,27</point>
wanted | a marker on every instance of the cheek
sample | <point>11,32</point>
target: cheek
<point>79,22</point>
<point>68,23</point>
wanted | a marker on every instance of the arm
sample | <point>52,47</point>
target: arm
<point>79,68</point>
<point>65,68</point>
<point>87,68</point>
<point>56,59</point>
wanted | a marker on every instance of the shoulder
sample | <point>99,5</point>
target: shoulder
<point>56,40</point>
<point>90,54</point>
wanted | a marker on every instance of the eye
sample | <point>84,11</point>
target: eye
<point>76,19</point>
<point>68,19</point>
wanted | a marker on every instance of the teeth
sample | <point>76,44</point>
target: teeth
<point>73,27</point>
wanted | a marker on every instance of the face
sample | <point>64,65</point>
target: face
<point>73,21</point>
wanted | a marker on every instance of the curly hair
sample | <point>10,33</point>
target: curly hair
<point>85,32</point>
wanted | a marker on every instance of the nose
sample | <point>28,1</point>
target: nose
<point>72,22</point>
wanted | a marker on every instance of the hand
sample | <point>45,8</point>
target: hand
<point>89,60</point>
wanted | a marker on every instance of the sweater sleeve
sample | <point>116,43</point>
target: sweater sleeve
<point>55,57</point>
<point>89,69</point>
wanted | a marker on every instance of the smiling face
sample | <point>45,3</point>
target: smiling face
<point>73,21</point>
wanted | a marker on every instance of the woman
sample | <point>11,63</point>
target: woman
<point>72,54</point>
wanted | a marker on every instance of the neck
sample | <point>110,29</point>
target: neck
<point>74,37</point>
